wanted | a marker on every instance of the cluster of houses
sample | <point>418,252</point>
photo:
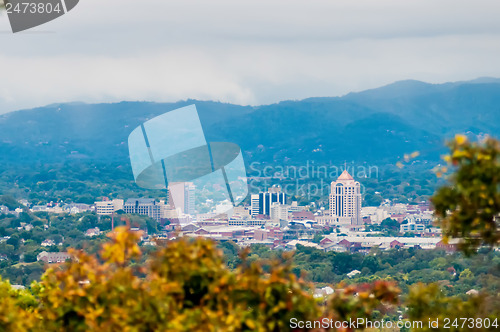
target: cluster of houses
<point>5,210</point>
<point>343,239</point>
<point>277,225</point>
<point>72,208</point>
<point>53,257</point>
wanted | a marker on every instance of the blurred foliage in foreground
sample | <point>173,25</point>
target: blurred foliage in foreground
<point>185,286</point>
<point>469,207</point>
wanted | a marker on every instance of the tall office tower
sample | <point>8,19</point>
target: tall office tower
<point>254,205</point>
<point>182,195</point>
<point>266,199</point>
<point>345,200</point>
<point>189,198</point>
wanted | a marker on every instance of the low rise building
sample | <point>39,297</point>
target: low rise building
<point>293,244</point>
<point>107,207</point>
<point>145,206</point>
<point>303,215</point>
<point>247,222</point>
<point>294,207</point>
<point>4,209</point>
<point>75,208</point>
<point>412,228</point>
<point>53,257</point>
<point>376,214</point>
<point>450,246</point>
<point>353,273</point>
<point>93,232</point>
<point>420,218</point>
<point>48,243</point>
<point>358,241</point>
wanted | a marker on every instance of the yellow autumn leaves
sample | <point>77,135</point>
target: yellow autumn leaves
<point>185,286</point>
<point>469,206</point>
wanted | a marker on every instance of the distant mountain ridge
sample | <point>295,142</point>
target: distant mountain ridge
<point>377,125</point>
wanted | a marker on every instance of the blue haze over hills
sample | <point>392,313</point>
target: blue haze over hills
<point>375,126</point>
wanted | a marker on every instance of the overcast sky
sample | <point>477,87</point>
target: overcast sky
<point>244,52</point>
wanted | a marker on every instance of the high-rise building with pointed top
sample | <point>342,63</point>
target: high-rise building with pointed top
<point>345,200</point>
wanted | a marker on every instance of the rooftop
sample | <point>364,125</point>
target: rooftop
<point>345,176</point>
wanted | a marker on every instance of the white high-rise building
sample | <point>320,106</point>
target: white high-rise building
<point>279,212</point>
<point>190,198</point>
<point>254,205</point>
<point>182,195</point>
<point>345,200</point>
